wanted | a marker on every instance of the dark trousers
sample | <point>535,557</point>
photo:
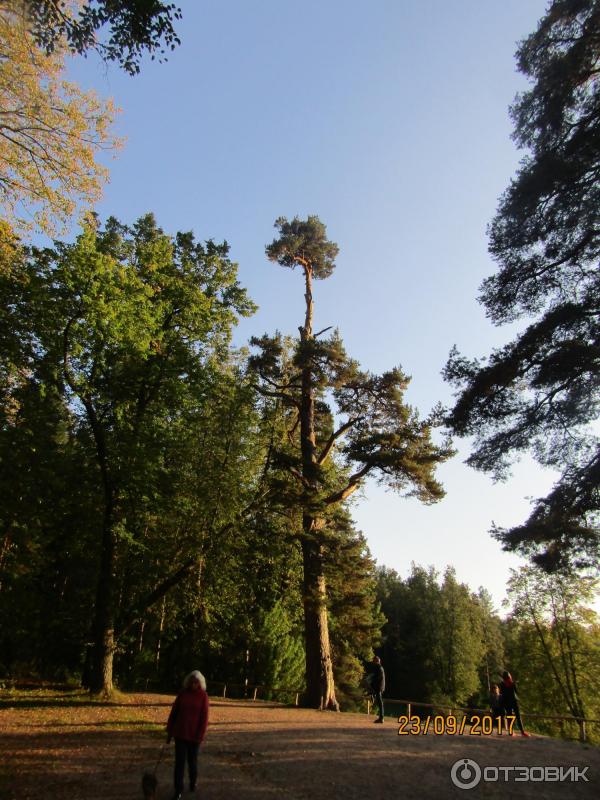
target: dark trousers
<point>513,710</point>
<point>185,751</point>
<point>378,701</point>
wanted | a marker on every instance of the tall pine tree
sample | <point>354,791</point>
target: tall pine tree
<point>540,393</point>
<point>337,408</point>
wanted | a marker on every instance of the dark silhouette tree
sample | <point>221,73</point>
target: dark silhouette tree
<point>539,393</point>
<point>134,27</point>
<point>336,407</point>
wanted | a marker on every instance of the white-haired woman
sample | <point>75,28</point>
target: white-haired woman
<point>187,725</point>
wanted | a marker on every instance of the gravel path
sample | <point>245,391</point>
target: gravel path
<point>59,749</point>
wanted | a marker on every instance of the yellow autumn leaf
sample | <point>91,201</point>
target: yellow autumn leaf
<point>50,134</point>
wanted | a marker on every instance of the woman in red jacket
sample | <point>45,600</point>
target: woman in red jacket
<point>187,725</point>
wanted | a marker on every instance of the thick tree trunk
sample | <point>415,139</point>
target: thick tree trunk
<point>100,661</point>
<point>103,628</point>
<point>320,687</point>
<point>104,644</point>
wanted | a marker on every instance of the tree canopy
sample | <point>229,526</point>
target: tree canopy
<point>555,610</point>
<point>134,27</point>
<point>539,393</point>
<point>50,134</point>
<point>304,243</point>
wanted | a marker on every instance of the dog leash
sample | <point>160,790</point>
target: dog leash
<point>160,755</point>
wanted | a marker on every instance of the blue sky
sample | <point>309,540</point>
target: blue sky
<point>390,121</point>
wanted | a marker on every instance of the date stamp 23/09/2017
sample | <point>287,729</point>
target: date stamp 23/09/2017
<point>453,726</point>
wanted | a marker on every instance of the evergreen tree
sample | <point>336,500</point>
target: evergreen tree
<point>356,619</point>
<point>492,665</point>
<point>379,434</point>
<point>278,660</point>
<point>540,391</point>
<point>405,649</point>
<point>434,642</point>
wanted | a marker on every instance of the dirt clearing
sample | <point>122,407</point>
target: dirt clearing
<point>60,746</point>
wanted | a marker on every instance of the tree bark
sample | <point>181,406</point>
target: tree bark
<point>104,644</point>
<point>103,629</point>
<point>320,687</point>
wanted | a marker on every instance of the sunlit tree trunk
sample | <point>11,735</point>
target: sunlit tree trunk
<point>320,687</point>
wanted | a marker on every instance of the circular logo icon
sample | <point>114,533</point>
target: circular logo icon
<point>465,773</point>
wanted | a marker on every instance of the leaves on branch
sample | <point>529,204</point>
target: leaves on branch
<point>134,28</point>
<point>50,134</point>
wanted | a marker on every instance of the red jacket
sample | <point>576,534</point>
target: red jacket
<point>189,716</point>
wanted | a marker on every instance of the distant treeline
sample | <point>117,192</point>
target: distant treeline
<point>444,644</point>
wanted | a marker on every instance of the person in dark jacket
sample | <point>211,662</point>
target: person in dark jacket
<point>187,725</point>
<point>510,701</point>
<point>378,686</point>
<point>496,707</point>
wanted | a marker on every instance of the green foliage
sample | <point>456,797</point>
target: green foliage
<point>540,392</point>
<point>493,663</point>
<point>436,639</point>
<point>340,419</point>
<point>121,401</point>
<point>554,643</point>
<point>303,242</point>
<point>134,27</point>
<point>356,619</point>
<point>377,432</point>
<point>278,649</point>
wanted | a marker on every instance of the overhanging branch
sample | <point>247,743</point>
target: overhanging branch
<point>351,486</point>
<point>334,436</point>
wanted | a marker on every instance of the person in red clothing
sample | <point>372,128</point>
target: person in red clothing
<point>187,725</point>
<point>509,700</point>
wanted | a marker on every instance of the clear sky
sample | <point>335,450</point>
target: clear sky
<point>389,120</point>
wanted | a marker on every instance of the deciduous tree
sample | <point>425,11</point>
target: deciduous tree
<point>134,27</point>
<point>556,607</point>
<point>51,133</point>
<point>131,326</point>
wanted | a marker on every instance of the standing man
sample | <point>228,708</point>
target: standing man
<point>378,685</point>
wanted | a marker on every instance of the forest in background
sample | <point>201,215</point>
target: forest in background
<point>170,502</point>
<point>127,330</point>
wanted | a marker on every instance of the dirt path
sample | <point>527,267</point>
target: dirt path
<point>60,747</point>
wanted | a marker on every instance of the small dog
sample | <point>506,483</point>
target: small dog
<point>149,785</point>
